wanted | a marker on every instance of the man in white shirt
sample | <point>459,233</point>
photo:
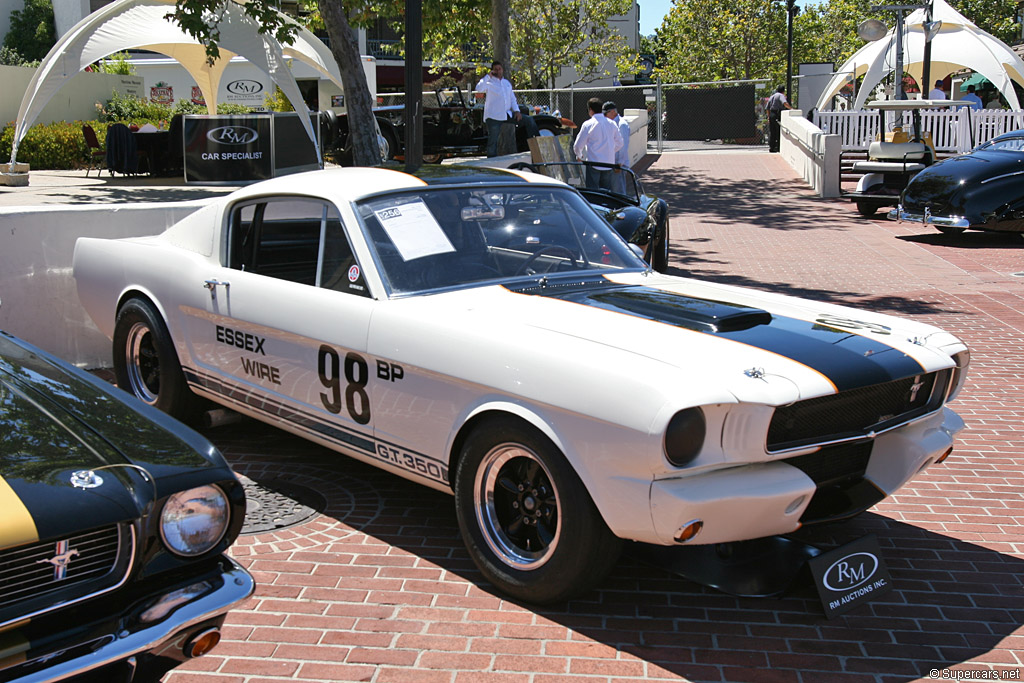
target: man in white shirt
<point>499,106</point>
<point>937,92</point>
<point>598,140</point>
<point>622,156</point>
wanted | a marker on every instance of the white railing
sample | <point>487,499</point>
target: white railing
<point>950,130</point>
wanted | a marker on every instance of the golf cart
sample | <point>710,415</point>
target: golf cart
<point>896,156</point>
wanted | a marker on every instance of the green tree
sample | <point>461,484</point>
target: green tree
<point>116,63</point>
<point>547,36</point>
<point>32,31</point>
<point>994,16</point>
<point>708,40</point>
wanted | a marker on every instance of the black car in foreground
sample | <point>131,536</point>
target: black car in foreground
<point>640,219</point>
<point>114,521</point>
<point>982,190</point>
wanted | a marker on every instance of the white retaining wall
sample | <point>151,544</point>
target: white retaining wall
<point>811,152</point>
<point>38,296</point>
<point>75,101</point>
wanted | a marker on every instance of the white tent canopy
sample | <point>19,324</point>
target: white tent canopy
<point>140,24</point>
<point>958,45</point>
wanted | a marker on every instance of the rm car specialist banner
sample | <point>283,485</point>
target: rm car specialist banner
<point>228,149</point>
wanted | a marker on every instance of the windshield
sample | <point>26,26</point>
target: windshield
<point>623,181</point>
<point>1015,144</point>
<point>450,237</point>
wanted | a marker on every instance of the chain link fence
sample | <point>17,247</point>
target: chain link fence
<point>681,115</point>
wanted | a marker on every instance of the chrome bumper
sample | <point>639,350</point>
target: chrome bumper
<point>153,624</point>
<point>898,214</point>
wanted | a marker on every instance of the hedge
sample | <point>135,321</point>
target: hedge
<point>52,146</point>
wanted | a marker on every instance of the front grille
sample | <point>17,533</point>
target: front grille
<point>857,412</point>
<point>834,464</point>
<point>31,576</point>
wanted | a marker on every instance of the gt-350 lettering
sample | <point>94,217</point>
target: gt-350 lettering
<point>412,462</point>
<point>242,340</point>
<point>261,370</point>
<point>357,373</point>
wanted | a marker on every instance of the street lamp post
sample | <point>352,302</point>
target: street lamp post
<point>791,11</point>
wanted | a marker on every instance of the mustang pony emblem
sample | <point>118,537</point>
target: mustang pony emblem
<point>60,560</point>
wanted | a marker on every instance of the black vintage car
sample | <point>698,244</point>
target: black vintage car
<point>640,219</point>
<point>114,520</point>
<point>453,126</point>
<point>982,190</point>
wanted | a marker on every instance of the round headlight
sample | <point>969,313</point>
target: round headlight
<point>684,436</point>
<point>194,521</point>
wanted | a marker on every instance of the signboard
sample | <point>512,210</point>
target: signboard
<point>247,91</point>
<point>228,149</point>
<point>161,93</point>
<point>850,575</point>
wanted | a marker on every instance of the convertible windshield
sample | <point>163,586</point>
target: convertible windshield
<point>1015,144</point>
<point>450,237</point>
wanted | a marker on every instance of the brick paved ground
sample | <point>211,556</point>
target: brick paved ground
<point>379,587</point>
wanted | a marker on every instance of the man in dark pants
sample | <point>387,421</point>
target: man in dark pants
<point>776,103</point>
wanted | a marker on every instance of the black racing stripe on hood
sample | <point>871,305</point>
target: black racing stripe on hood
<point>848,360</point>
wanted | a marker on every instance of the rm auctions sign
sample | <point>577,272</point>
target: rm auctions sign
<point>228,149</point>
<point>850,575</point>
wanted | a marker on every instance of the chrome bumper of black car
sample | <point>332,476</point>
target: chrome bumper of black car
<point>899,214</point>
<point>146,628</point>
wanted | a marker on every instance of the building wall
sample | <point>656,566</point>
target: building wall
<point>6,7</point>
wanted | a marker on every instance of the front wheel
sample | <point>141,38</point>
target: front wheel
<point>947,230</point>
<point>659,261</point>
<point>866,209</point>
<point>526,517</point>
<point>145,363</point>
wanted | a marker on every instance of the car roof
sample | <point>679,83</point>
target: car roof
<point>350,184</point>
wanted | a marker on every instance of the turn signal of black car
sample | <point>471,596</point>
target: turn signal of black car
<point>684,436</point>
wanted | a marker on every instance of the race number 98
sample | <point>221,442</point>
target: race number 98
<point>357,374</point>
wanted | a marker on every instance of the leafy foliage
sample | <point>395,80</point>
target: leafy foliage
<point>707,40</point>
<point>11,57</point>
<point>116,63</point>
<point>276,101</point>
<point>547,36</point>
<point>59,145</point>
<point>32,31</point>
<point>130,109</point>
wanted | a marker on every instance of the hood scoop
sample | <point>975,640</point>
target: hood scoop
<point>701,315</point>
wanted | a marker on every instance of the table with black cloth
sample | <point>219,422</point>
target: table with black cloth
<point>155,145</point>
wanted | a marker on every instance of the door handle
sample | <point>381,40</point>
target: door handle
<point>212,286</point>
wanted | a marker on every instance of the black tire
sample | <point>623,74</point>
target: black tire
<point>145,363</point>
<point>947,230</point>
<point>514,490</point>
<point>390,141</point>
<point>866,209</point>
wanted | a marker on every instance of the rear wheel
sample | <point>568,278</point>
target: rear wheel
<point>660,258</point>
<point>146,364</point>
<point>526,517</point>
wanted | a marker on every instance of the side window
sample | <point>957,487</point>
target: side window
<point>298,240</point>
<point>340,271</point>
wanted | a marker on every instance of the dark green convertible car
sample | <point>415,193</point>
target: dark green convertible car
<point>114,522</point>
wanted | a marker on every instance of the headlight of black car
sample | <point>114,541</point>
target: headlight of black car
<point>194,521</point>
<point>684,436</point>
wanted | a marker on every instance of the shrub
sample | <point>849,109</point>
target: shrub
<point>59,145</point>
<point>128,109</point>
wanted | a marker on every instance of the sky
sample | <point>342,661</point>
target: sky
<point>653,11</point>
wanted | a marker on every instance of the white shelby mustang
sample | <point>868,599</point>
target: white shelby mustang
<point>486,333</point>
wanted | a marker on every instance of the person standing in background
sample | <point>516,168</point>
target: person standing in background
<point>500,104</point>
<point>775,105</point>
<point>937,92</point>
<point>598,141</point>
<point>971,96</point>
<point>622,156</point>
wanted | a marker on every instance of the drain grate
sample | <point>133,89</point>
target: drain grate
<point>275,504</point>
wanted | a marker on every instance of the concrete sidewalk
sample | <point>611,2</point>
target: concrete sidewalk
<point>377,585</point>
